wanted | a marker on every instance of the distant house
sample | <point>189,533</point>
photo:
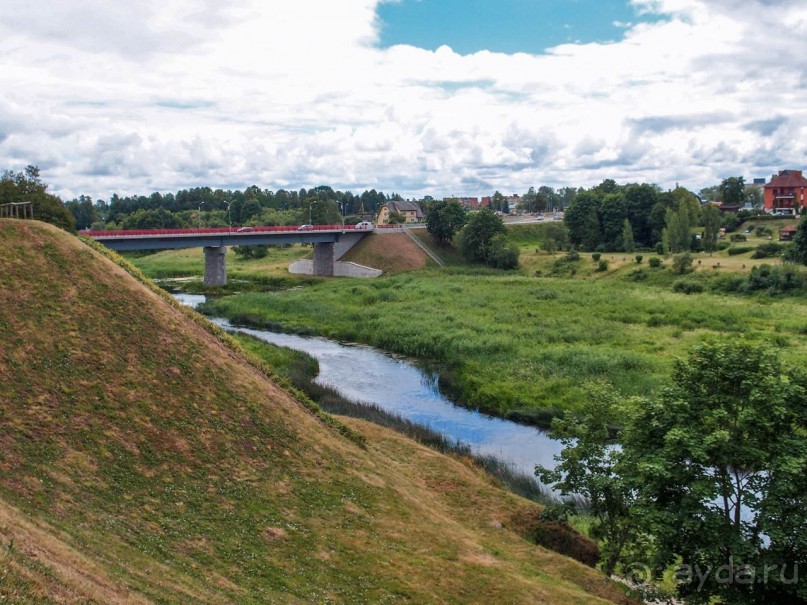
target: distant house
<point>471,203</point>
<point>411,211</point>
<point>786,233</point>
<point>785,192</point>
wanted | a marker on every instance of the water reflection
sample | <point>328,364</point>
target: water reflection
<point>365,374</point>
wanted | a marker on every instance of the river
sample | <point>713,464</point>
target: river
<point>396,385</point>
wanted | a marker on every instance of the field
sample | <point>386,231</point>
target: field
<point>510,344</point>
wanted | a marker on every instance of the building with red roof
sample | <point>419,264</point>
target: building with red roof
<point>785,192</point>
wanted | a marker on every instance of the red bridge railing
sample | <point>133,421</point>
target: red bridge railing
<point>226,230</point>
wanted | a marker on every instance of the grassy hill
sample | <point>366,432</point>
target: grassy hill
<point>144,459</point>
<point>390,252</point>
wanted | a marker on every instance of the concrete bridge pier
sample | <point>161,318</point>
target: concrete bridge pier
<point>215,266</point>
<point>324,259</point>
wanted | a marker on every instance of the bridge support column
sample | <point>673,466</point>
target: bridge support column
<point>215,266</point>
<point>323,259</point>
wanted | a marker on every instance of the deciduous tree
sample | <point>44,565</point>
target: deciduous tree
<point>477,235</point>
<point>444,220</point>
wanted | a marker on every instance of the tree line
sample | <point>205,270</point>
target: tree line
<point>611,217</point>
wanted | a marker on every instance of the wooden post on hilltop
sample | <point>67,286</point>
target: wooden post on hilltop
<point>20,210</point>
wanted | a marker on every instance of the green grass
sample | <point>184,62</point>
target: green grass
<point>190,262</point>
<point>517,345</point>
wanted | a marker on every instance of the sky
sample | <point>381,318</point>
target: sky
<point>417,97</point>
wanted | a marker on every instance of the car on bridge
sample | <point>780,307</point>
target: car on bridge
<point>305,228</point>
<point>365,225</point>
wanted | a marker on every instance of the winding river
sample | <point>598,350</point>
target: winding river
<point>396,385</point>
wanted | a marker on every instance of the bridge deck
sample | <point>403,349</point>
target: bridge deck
<point>158,239</point>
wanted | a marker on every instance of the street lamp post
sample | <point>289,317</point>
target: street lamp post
<point>310,206</point>
<point>229,218</point>
<point>200,214</point>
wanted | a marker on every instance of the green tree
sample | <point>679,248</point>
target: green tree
<point>581,218</point>
<point>396,218</point>
<point>718,466</point>
<point>732,191</point>
<point>249,210</point>
<point>639,203</point>
<point>628,244</point>
<point>679,232</point>
<point>503,253</point>
<point>444,220</point>
<point>554,236</point>
<point>26,186</point>
<point>612,220</point>
<point>711,477</point>
<point>711,227</point>
<point>589,466</point>
<point>83,211</point>
<point>477,235</point>
<point>799,253</point>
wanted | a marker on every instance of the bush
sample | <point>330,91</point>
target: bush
<point>251,251</point>
<point>768,250</point>
<point>682,263</point>
<point>773,279</point>
<point>765,278</point>
<point>687,287</point>
<point>638,275</point>
<point>602,265</point>
<point>572,255</point>
<point>723,245</point>
<point>503,254</point>
<point>739,250</point>
<point>639,258</point>
<point>596,256</point>
<point>555,535</point>
<point>737,237</point>
<point>655,262</point>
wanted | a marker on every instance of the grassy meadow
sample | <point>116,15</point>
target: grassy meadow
<point>519,345</point>
<point>523,344</point>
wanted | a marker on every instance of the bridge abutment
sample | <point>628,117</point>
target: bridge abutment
<point>324,259</point>
<point>215,266</point>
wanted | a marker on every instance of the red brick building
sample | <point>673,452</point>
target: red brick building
<point>785,192</point>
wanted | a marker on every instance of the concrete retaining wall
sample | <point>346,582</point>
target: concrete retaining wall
<point>340,269</point>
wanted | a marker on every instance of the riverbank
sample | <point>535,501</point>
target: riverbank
<point>301,370</point>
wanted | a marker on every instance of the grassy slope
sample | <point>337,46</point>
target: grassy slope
<point>390,252</point>
<point>142,460</point>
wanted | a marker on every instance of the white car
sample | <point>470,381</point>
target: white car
<point>305,228</point>
<point>367,225</point>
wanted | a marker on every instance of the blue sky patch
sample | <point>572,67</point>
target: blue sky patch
<point>507,26</point>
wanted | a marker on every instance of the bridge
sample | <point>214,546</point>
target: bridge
<point>325,239</point>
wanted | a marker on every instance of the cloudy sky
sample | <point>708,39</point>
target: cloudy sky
<point>438,97</point>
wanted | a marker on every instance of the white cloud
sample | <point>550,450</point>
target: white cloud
<point>128,97</point>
